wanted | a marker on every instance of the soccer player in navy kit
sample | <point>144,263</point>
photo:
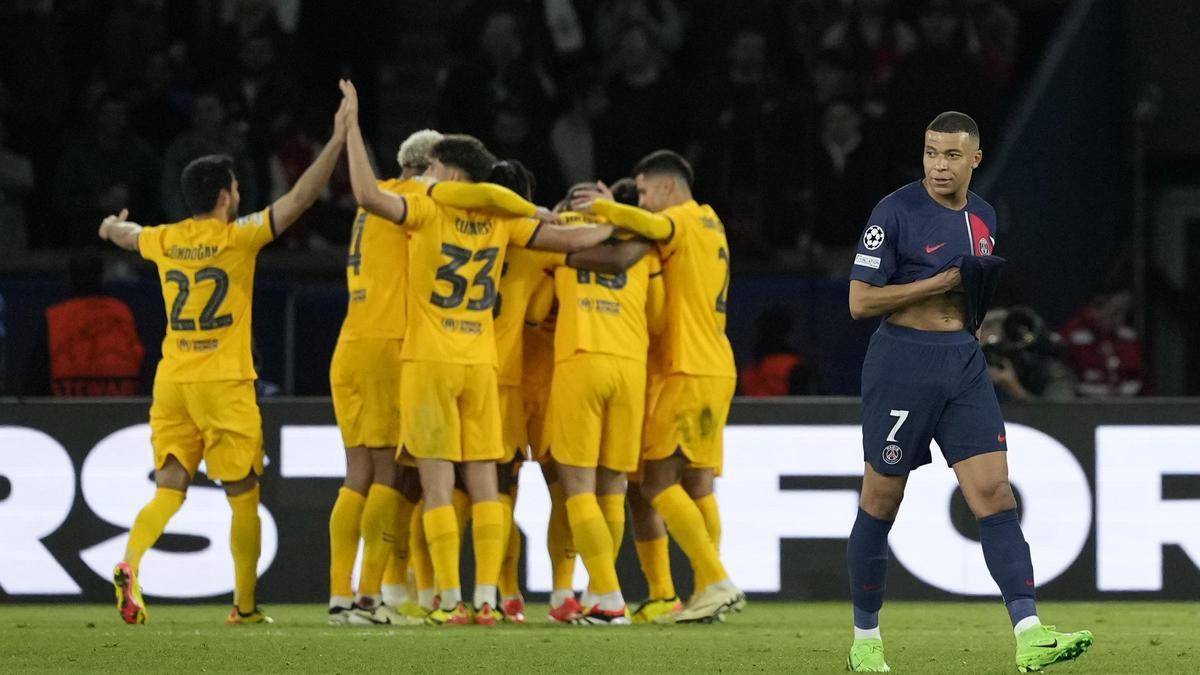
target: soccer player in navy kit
<point>925,264</point>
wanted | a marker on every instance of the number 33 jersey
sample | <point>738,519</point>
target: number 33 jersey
<point>455,258</point>
<point>206,269</point>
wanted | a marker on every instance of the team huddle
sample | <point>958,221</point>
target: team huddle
<point>482,331</point>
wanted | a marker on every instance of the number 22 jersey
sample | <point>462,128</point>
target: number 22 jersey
<point>206,269</point>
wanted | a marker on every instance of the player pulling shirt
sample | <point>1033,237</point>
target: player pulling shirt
<point>922,385</point>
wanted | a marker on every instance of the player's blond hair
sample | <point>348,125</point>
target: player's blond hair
<point>415,150</point>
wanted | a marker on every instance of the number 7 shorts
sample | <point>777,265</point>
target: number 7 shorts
<point>919,386</point>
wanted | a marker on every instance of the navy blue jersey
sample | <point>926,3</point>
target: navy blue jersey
<point>910,237</point>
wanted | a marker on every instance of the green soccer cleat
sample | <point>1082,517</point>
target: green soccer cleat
<point>1039,646</point>
<point>866,656</point>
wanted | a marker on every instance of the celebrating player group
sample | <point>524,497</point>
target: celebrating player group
<point>484,331</point>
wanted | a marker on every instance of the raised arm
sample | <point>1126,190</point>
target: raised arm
<point>612,257</point>
<point>120,231</point>
<point>362,176</point>
<point>867,301</point>
<point>288,208</point>
<point>488,197</point>
<point>569,239</point>
<point>652,226</point>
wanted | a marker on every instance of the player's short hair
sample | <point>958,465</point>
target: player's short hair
<point>513,175</point>
<point>466,153</point>
<point>665,162</point>
<point>202,182</point>
<point>625,191</point>
<point>415,150</point>
<point>951,122</point>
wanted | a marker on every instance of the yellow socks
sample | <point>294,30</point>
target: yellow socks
<point>613,508</point>
<point>594,542</point>
<point>655,559</point>
<point>488,534</point>
<point>395,575</point>
<point>559,540</point>
<point>509,583</point>
<point>686,525</point>
<point>378,529</point>
<point>712,518</point>
<point>150,523</point>
<point>419,559</point>
<point>712,523</point>
<point>461,502</point>
<point>343,541</point>
<point>441,531</point>
<point>245,541</point>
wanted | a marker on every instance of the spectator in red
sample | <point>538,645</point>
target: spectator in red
<point>1105,352</point>
<point>89,344</point>
<point>779,369</point>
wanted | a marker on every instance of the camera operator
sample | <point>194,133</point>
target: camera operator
<point>1023,357</point>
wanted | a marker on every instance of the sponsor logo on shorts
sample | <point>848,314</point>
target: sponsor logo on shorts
<point>873,237</point>
<point>867,261</point>
<point>892,454</point>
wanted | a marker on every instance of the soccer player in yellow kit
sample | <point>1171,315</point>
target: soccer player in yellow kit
<point>204,405</point>
<point>594,420</point>
<point>364,379</point>
<point>449,399</point>
<point>688,419</point>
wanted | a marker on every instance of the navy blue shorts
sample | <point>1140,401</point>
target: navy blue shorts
<point>920,385</point>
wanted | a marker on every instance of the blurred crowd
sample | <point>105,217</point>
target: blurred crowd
<point>797,114</point>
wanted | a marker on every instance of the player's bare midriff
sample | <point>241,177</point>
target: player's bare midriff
<point>940,313</point>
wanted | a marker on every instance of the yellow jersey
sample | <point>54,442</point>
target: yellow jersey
<point>206,269</point>
<point>522,274</point>
<point>455,257</point>
<point>603,313</point>
<point>376,268</point>
<point>695,262</point>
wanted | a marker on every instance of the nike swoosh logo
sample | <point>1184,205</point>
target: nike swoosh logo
<point>931,249</point>
<point>1051,645</point>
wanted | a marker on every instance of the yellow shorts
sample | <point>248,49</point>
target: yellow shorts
<point>535,390</point>
<point>218,422</point>
<point>689,416</point>
<point>597,402</point>
<point>450,411</point>
<point>364,380</point>
<point>654,385</point>
<point>512,421</point>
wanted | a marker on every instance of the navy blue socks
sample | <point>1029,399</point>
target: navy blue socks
<point>1007,557</point>
<point>867,558</point>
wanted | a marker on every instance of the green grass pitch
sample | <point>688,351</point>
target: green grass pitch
<point>966,637</point>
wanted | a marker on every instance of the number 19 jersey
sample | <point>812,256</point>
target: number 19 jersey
<point>455,257</point>
<point>206,268</point>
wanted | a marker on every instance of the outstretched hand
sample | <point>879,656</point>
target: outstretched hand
<point>583,198</point>
<point>349,107</point>
<point>108,222</point>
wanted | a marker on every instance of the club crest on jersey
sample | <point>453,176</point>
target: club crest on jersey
<point>985,246</point>
<point>873,237</point>
<point>892,454</point>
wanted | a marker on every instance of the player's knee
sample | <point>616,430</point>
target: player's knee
<point>990,497</point>
<point>240,487</point>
